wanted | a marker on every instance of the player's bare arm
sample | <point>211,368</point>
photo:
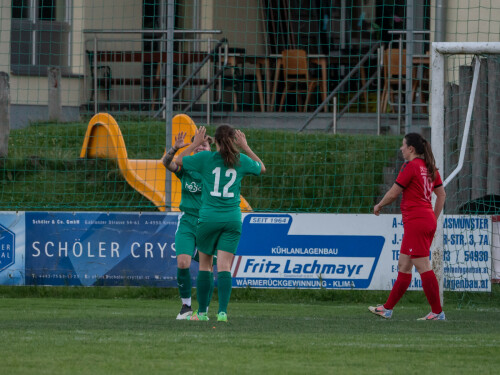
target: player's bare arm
<point>440,198</point>
<point>241,142</point>
<point>167,160</point>
<point>200,136</point>
<point>388,198</point>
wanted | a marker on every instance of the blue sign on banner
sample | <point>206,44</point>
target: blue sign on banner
<point>93,249</point>
<point>271,256</point>
<point>12,248</point>
<point>7,247</point>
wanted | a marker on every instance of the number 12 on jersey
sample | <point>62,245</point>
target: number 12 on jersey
<point>225,190</point>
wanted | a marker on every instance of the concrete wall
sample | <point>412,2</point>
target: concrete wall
<point>241,23</point>
<point>473,21</point>
<point>112,14</point>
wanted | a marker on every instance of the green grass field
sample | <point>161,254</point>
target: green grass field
<point>134,331</point>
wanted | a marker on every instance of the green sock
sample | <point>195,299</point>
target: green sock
<point>203,290</point>
<point>224,283</point>
<point>211,288</point>
<point>184,282</point>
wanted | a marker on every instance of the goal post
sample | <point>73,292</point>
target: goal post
<point>439,50</point>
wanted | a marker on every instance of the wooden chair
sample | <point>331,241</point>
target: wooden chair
<point>393,73</point>
<point>296,76</point>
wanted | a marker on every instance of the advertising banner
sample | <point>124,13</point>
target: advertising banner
<point>352,252</point>
<point>332,251</point>
<point>101,249</point>
<point>276,252</point>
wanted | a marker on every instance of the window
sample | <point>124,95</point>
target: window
<point>40,36</point>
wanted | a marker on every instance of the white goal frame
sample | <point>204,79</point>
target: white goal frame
<point>438,51</point>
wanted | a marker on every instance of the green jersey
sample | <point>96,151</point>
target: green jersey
<point>221,185</point>
<point>191,191</point>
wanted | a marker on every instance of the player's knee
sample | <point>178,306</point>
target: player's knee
<point>183,261</point>
<point>224,261</point>
<point>404,264</point>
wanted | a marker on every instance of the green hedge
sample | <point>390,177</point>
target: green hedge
<point>306,172</point>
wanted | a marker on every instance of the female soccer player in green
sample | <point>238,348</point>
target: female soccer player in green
<point>219,226</point>
<point>185,236</point>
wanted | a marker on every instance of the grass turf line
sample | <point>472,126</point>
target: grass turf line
<point>137,336</point>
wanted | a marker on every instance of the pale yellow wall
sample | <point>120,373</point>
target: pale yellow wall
<point>86,14</point>
<point>468,21</point>
<point>186,14</point>
<point>113,14</point>
<point>77,47</point>
<point>473,21</point>
<point>240,22</point>
<point>207,14</point>
<point>5,35</point>
<point>34,90</point>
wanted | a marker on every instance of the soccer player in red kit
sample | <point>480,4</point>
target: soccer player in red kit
<point>417,180</point>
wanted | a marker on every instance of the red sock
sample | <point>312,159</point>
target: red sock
<point>399,288</point>
<point>431,290</point>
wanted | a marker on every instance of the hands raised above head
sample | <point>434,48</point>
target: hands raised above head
<point>200,136</point>
<point>167,159</point>
<point>240,139</point>
<point>180,140</point>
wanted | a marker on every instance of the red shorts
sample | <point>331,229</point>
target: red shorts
<point>418,235</point>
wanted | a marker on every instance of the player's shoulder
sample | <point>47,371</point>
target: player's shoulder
<point>414,164</point>
<point>405,166</point>
<point>202,155</point>
<point>248,163</point>
<point>205,154</point>
<point>247,159</point>
<point>244,158</point>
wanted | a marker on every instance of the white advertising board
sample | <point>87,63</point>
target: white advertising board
<point>352,251</point>
<point>332,251</point>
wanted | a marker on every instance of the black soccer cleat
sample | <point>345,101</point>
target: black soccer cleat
<point>185,312</point>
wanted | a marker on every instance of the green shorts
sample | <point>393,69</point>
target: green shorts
<point>185,236</point>
<point>213,236</point>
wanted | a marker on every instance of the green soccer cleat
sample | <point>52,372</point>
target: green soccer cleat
<point>199,316</point>
<point>222,317</point>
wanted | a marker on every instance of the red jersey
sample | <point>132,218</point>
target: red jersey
<point>418,187</point>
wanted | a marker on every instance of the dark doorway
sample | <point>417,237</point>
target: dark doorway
<point>151,42</point>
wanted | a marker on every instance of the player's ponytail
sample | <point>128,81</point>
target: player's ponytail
<point>422,147</point>
<point>224,137</point>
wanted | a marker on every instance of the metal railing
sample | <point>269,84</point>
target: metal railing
<point>346,79</point>
<point>139,55</point>
<point>410,55</point>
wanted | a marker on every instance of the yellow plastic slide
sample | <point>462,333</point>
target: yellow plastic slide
<point>104,140</point>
